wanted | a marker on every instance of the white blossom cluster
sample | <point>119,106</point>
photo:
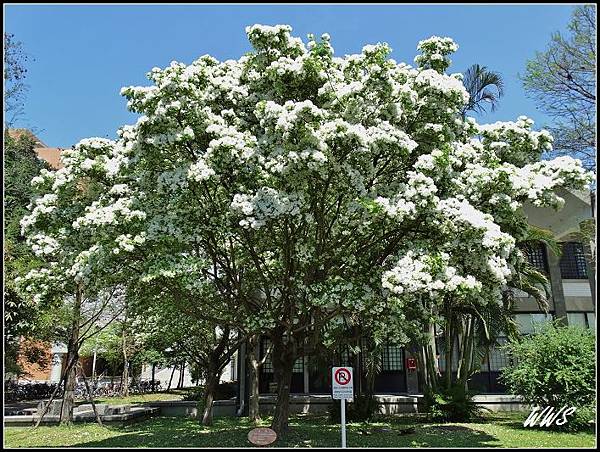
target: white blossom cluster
<point>44,205</point>
<point>435,51</point>
<point>42,244</point>
<point>347,183</point>
<point>266,204</point>
<point>97,214</point>
<point>418,272</point>
<point>128,243</point>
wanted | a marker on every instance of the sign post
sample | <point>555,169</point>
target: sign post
<point>342,385</point>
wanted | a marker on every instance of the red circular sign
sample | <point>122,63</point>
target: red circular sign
<point>342,376</point>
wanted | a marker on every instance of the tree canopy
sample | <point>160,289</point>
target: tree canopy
<point>293,193</point>
<point>562,82</point>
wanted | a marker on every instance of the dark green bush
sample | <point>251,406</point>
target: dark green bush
<point>224,391</point>
<point>363,408</point>
<point>451,405</point>
<point>196,393</point>
<point>556,367</point>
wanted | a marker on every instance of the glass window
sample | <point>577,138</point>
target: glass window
<point>584,319</point>
<point>299,365</point>
<point>392,358</point>
<point>528,323</point>
<point>572,261</point>
<point>536,255</point>
<point>441,350</point>
<point>345,357</point>
<point>591,320</point>
<point>268,365</point>
<point>484,364</point>
<point>498,356</point>
<point>576,318</point>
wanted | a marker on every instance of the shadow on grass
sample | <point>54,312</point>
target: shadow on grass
<point>175,432</point>
<point>452,436</point>
<point>313,432</point>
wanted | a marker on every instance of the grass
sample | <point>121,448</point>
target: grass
<point>140,398</point>
<point>501,430</point>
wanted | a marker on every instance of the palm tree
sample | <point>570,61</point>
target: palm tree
<point>485,87</point>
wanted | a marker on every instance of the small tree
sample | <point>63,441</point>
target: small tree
<point>15,71</point>
<point>189,339</point>
<point>21,316</point>
<point>67,254</point>
<point>562,82</point>
<point>555,367</point>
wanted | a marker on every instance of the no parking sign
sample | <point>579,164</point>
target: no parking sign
<point>342,383</point>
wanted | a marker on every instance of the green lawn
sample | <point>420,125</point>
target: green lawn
<point>497,431</point>
<point>140,398</point>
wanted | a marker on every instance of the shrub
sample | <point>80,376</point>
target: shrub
<point>224,391</point>
<point>451,405</point>
<point>555,367</point>
<point>363,408</point>
<point>196,393</point>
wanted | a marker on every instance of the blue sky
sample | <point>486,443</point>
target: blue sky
<point>84,54</point>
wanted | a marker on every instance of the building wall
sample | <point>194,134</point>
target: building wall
<point>34,371</point>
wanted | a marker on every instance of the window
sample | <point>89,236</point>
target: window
<point>392,358</point>
<point>346,357</point>
<point>268,365</point>
<point>498,356</point>
<point>572,261</point>
<point>536,255</point>
<point>264,346</point>
<point>584,319</point>
<point>299,366</point>
<point>529,323</point>
<point>576,318</point>
<point>591,319</point>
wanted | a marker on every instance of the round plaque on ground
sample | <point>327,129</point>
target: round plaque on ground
<point>262,436</point>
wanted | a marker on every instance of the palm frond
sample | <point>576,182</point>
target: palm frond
<point>534,283</point>
<point>485,88</point>
<point>537,234</point>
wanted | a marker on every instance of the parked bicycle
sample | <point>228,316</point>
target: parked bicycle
<point>115,389</point>
<point>15,391</point>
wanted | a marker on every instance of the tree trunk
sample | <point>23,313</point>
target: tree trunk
<point>125,378</point>
<point>66,412</point>
<point>428,362</point>
<point>180,378</point>
<point>283,365</point>
<point>171,379</point>
<point>212,380</point>
<point>153,375</point>
<point>449,347</point>
<point>466,355</point>
<point>254,402</point>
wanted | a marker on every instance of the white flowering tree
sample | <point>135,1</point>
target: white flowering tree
<point>68,254</point>
<point>290,190</point>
